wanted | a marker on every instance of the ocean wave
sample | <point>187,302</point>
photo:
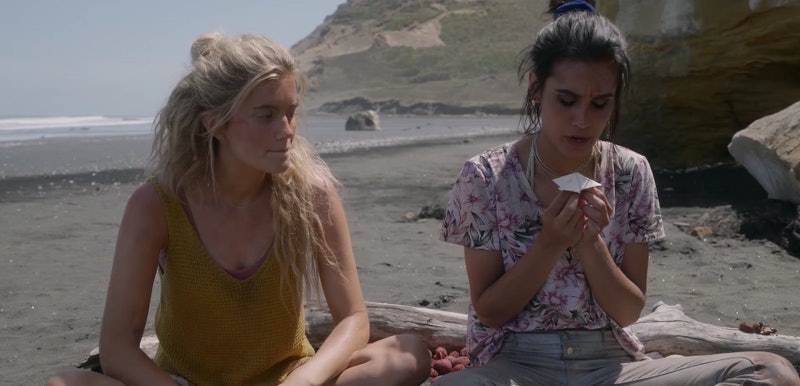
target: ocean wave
<point>66,122</point>
<point>327,133</point>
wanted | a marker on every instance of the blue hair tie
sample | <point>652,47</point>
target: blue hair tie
<point>570,5</point>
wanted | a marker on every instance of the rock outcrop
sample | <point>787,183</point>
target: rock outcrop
<point>395,107</point>
<point>770,151</point>
<point>363,121</point>
<point>703,70</point>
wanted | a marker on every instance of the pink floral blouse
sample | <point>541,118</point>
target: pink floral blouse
<point>492,207</point>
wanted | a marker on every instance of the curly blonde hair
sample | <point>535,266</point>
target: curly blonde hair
<point>224,71</point>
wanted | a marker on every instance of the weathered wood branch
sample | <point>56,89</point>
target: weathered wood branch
<point>666,330</point>
<point>436,327</point>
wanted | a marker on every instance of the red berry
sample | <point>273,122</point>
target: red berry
<point>442,366</point>
<point>464,361</point>
<point>439,353</point>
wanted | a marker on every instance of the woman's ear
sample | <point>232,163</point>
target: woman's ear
<point>207,119</point>
<point>534,88</point>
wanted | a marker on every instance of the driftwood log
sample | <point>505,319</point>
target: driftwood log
<point>436,327</point>
<point>665,331</point>
<point>668,331</point>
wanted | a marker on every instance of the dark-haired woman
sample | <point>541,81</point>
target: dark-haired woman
<point>557,276</point>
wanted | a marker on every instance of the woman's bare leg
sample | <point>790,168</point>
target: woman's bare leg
<point>78,377</point>
<point>400,360</point>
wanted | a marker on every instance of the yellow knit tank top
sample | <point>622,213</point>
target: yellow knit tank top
<point>214,329</point>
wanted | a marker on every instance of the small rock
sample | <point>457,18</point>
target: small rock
<point>701,232</point>
<point>367,120</point>
<point>409,217</point>
<point>432,211</point>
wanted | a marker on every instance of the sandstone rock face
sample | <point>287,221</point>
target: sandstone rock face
<point>363,121</point>
<point>703,70</point>
<point>770,150</point>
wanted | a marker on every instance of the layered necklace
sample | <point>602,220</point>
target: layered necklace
<point>534,158</point>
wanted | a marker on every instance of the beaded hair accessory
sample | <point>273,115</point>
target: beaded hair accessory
<point>571,5</point>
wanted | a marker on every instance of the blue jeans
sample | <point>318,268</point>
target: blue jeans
<point>593,357</point>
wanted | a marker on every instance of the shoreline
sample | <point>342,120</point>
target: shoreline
<point>124,159</point>
<point>98,154</point>
<point>60,230</point>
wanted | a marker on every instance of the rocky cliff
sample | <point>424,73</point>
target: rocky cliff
<point>703,70</point>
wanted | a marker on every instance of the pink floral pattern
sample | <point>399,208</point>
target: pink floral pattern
<point>492,207</point>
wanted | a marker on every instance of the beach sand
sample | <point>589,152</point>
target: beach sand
<point>61,202</point>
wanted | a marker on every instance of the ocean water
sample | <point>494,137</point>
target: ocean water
<point>327,132</point>
<point>29,128</point>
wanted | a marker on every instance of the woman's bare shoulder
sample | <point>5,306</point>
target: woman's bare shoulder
<point>145,214</point>
<point>146,197</point>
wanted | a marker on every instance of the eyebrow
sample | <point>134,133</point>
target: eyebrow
<point>570,93</point>
<point>269,106</point>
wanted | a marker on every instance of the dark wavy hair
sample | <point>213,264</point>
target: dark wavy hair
<point>580,34</point>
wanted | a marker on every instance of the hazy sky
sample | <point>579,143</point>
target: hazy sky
<point>107,57</point>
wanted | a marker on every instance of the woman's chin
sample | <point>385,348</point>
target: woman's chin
<point>582,146</point>
<point>278,169</point>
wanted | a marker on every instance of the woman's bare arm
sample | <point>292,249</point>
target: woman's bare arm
<point>344,297</point>
<point>497,295</point>
<point>142,235</point>
<point>620,291</point>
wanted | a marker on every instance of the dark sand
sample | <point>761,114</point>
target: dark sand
<point>61,202</point>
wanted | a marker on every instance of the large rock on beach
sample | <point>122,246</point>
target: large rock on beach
<point>703,70</point>
<point>770,151</point>
<point>367,120</point>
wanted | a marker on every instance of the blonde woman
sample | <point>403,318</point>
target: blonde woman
<point>239,219</point>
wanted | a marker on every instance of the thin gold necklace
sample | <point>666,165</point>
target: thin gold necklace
<point>534,158</point>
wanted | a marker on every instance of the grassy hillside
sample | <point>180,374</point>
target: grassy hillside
<point>452,52</point>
